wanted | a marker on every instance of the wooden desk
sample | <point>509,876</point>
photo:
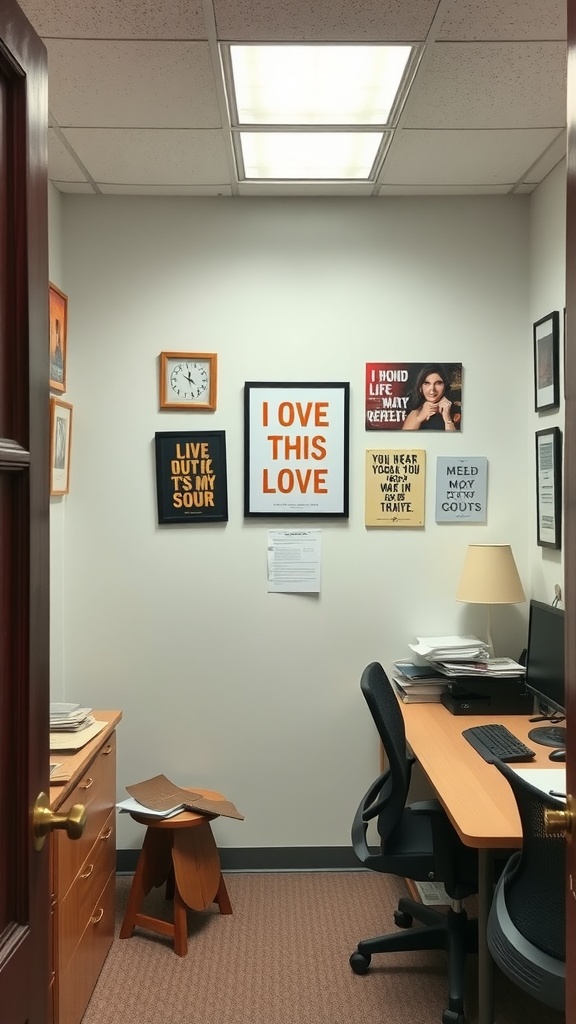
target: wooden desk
<point>83,872</point>
<point>477,799</point>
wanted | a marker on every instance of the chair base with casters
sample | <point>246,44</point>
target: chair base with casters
<point>453,932</point>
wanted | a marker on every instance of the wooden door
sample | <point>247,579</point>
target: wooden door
<point>570,506</point>
<point>24,509</point>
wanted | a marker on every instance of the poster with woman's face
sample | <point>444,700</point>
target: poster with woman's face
<point>414,396</point>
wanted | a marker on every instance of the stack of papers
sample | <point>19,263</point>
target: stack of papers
<point>453,648</point>
<point>499,668</point>
<point>69,717</point>
<point>71,726</point>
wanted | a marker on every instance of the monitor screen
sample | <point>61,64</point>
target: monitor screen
<point>545,655</point>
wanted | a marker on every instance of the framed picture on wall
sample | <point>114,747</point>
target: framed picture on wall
<point>549,487</point>
<point>546,362</point>
<point>60,438</point>
<point>191,476</point>
<point>58,318</point>
<point>296,445</point>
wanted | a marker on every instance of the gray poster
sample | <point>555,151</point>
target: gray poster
<point>461,489</point>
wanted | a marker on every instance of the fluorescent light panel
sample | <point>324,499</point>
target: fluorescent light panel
<point>309,155</point>
<point>314,86</point>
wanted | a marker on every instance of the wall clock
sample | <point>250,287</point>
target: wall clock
<point>188,380</point>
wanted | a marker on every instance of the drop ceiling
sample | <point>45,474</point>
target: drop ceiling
<point>138,106</point>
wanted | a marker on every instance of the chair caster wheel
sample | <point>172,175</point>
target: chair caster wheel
<point>360,962</point>
<point>453,1017</point>
<point>402,920</point>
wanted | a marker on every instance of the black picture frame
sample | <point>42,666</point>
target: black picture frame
<point>549,487</point>
<point>296,449</point>
<point>191,484</point>
<point>546,332</point>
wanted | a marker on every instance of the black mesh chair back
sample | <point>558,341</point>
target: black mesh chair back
<point>527,925</point>
<point>385,711</point>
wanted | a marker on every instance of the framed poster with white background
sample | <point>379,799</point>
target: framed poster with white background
<point>549,487</point>
<point>60,440</point>
<point>296,449</point>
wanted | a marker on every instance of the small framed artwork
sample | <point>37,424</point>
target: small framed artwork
<point>549,487</point>
<point>60,438</point>
<point>58,315</point>
<point>191,476</point>
<point>188,381</point>
<point>546,362</point>
<point>296,443</point>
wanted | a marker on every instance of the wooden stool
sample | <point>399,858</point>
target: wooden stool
<point>180,851</point>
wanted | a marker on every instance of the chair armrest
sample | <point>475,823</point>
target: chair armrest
<point>428,807</point>
<point>369,805</point>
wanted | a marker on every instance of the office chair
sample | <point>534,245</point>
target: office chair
<point>417,842</point>
<point>526,924</point>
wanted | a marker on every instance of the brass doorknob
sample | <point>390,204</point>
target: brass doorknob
<point>559,822</point>
<point>46,821</point>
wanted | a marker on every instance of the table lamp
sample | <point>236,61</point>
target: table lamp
<point>489,576</point>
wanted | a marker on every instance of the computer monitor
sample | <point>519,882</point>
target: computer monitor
<point>545,668</point>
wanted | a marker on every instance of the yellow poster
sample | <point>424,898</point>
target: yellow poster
<point>395,487</point>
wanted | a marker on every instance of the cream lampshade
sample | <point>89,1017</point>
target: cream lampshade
<point>489,576</point>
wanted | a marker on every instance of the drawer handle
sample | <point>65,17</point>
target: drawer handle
<point>107,833</point>
<point>88,872</point>
<point>97,917</point>
<point>86,785</point>
<point>107,749</point>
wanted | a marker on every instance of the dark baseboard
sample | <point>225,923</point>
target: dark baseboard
<point>268,858</point>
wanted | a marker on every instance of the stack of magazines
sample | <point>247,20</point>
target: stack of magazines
<point>418,684</point>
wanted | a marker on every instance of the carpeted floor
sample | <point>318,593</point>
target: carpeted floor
<point>282,958</point>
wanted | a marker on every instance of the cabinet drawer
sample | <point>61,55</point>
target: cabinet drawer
<point>77,981</point>
<point>77,907</point>
<point>97,791</point>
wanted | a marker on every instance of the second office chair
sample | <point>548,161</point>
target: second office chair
<point>418,842</point>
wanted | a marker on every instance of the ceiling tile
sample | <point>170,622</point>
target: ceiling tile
<point>444,190</point>
<point>116,19</point>
<point>61,164</point>
<point>490,85</point>
<point>166,190</point>
<point>131,84</point>
<point>547,162</point>
<point>337,20</point>
<point>75,187</point>
<point>140,157</point>
<point>419,157</point>
<point>505,19</point>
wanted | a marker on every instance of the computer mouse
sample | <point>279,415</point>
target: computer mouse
<point>557,755</point>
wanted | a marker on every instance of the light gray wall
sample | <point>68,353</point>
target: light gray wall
<point>221,684</point>
<point>547,293</point>
<point>58,509</point>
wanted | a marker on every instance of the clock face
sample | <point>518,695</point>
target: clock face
<point>188,380</point>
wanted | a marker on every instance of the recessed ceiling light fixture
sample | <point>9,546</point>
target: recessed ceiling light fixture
<point>334,103</point>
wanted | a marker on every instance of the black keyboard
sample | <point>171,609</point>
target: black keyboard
<point>497,743</point>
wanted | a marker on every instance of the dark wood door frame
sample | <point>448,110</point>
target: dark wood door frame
<point>24,518</point>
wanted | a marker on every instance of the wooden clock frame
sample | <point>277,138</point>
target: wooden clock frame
<point>191,405</point>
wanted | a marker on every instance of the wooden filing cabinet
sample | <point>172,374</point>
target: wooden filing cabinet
<point>84,874</point>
